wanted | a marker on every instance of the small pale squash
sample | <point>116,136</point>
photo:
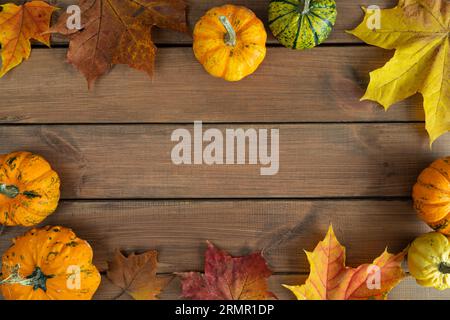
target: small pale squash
<point>29,189</point>
<point>429,260</point>
<point>431,195</point>
<point>230,42</point>
<point>49,263</point>
<point>302,24</point>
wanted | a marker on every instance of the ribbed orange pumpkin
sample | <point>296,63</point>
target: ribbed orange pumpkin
<point>230,42</point>
<point>49,263</point>
<point>29,189</point>
<point>431,195</point>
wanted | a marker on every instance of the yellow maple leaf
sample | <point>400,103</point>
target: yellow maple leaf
<point>20,24</point>
<point>419,30</point>
<point>331,279</point>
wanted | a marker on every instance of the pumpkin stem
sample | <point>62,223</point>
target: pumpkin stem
<point>444,267</point>
<point>11,191</point>
<point>37,280</point>
<point>14,277</point>
<point>306,7</point>
<point>230,36</point>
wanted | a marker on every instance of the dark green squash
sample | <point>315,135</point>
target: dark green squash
<point>302,24</point>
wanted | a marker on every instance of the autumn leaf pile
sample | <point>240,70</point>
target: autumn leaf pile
<point>246,278</point>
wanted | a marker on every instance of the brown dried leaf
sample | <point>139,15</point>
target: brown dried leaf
<point>136,275</point>
<point>119,32</point>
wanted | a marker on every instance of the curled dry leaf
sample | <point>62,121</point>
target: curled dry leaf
<point>419,32</point>
<point>119,32</point>
<point>331,279</point>
<point>136,275</point>
<point>20,24</point>
<point>228,278</point>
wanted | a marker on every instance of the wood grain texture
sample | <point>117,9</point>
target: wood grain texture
<point>316,160</point>
<point>323,85</point>
<point>282,229</point>
<point>349,16</point>
<point>406,290</point>
<point>123,152</point>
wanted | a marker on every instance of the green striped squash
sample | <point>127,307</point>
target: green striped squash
<point>302,24</point>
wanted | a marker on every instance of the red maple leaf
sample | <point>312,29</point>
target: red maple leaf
<point>228,278</point>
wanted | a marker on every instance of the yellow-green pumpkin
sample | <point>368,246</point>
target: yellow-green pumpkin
<point>429,260</point>
<point>302,24</point>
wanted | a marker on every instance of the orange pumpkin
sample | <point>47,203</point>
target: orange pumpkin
<point>49,263</point>
<point>29,189</point>
<point>431,195</point>
<point>230,42</point>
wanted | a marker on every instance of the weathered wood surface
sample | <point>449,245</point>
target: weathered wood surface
<point>323,85</point>
<point>349,16</point>
<point>281,228</point>
<point>134,161</point>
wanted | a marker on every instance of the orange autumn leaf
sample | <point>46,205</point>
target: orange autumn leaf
<point>119,32</point>
<point>20,24</point>
<point>331,279</point>
<point>136,275</point>
<point>228,278</point>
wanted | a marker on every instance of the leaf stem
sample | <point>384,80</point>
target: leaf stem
<point>306,7</point>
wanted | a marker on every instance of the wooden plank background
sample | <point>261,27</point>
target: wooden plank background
<point>320,85</point>
<point>342,161</point>
<point>316,160</point>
